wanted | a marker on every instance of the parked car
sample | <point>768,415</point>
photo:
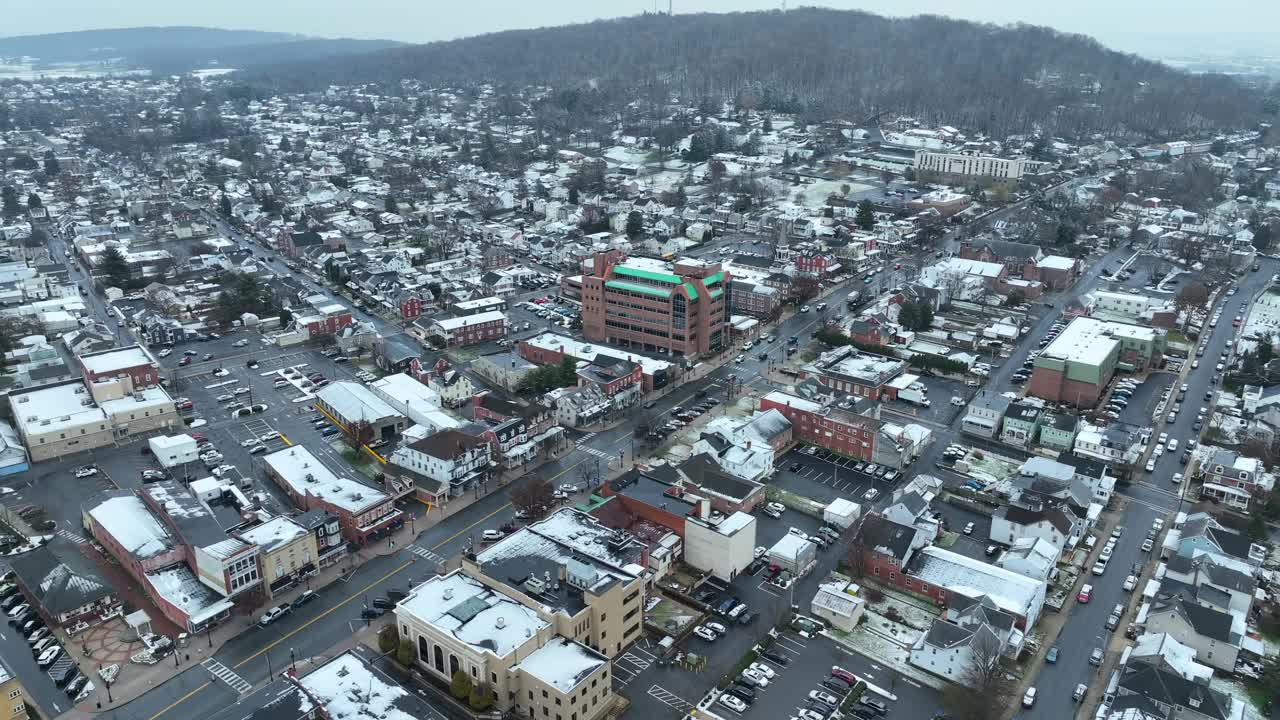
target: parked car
<point>492,535</point>
<point>705,634</point>
<point>733,702</point>
<point>275,613</point>
<point>1029,697</point>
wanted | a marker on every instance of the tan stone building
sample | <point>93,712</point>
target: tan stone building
<point>12,695</point>
<point>287,553</point>
<point>536,616</point>
<point>68,417</point>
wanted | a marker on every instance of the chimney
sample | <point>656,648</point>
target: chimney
<point>704,508</point>
<point>500,623</point>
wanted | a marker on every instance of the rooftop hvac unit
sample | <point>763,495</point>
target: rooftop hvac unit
<point>534,584</point>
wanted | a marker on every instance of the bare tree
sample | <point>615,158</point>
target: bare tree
<point>1193,296</point>
<point>533,497</point>
<point>982,691</point>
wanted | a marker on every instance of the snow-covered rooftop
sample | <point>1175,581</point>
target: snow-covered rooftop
<point>1090,341</point>
<point>273,533</point>
<point>563,664</point>
<point>351,689</point>
<point>354,401</point>
<point>133,526</point>
<point>180,587</point>
<point>1012,592</point>
<point>112,360</point>
<point>588,351</point>
<point>305,475</point>
<point>461,606</point>
<point>456,323</point>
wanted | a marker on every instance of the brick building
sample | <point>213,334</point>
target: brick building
<point>468,329</point>
<point>365,514</point>
<point>860,374</point>
<point>837,430</point>
<point>654,306</point>
<point>134,361</point>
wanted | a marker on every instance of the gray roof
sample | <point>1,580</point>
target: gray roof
<point>60,578</point>
<point>1169,689</point>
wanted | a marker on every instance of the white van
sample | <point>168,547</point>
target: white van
<point>957,401</point>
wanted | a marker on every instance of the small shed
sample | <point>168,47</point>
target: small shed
<point>793,553</point>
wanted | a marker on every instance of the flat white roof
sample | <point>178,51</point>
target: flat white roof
<point>479,302</point>
<point>181,588</point>
<point>451,324</point>
<point>1057,262</point>
<point>588,351</point>
<point>306,475</point>
<point>461,606</point>
<point>1011,591</point>
<point>273,533</point>
<point>148,398</point>
<point>56,407</point>
<point>794,401</point>
<point>354,401</point>
<point>563,663</point>
<point>350,689</point>
<point>1089,340</point>
<point>116,359</point>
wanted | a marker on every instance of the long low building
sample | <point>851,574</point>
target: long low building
<point>365,513</point>
<point>1077,365</point>
<point>351,403</point>
<point>65,418</point>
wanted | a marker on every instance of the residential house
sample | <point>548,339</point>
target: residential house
<point>984,413</point>
<point>1215,635</point>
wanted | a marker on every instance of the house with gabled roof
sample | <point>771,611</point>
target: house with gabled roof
<point>1216,635</point>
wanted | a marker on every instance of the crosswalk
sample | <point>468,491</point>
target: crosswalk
<point>595,451</point>
<point>426,554</point>
<point>68,535</point>
<point>583,440</point>
<point>226,675</point>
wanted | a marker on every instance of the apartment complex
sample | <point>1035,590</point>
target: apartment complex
<point>1076,367</point>
<point>974,165</point>
<point>651,305</point>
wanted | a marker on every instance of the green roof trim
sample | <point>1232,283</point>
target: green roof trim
<point>638,288</point>
<point>690,291</point>
<point>713,279</point>
<point>646,274</point>
<point>715,293</point>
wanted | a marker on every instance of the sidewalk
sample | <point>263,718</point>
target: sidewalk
<point>135,679</point>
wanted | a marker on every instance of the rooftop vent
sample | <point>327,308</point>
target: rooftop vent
<point>448,593</point>
<point>500,623</point>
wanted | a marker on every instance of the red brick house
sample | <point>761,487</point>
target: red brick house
<point>1019,259</point>
<point>294,244</point>
<point>410,304</point>
<point>884,548</point>
<point>612,375</point>
<point>816,264</point>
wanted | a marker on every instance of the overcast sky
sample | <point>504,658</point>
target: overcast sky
<point>1135,25</point>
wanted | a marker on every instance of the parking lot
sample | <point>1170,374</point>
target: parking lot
<point>1142,403</point>
<point>825,476</point>
<point>809,662</point>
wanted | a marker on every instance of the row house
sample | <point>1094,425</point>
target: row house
<point>1232,478</point>
<point>444,465</point>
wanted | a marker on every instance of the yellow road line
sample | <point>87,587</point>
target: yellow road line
<point>307,624</point>
<point>180,700</point>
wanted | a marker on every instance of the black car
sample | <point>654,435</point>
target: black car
<point>822,707</point>
<point>396,596</point>
<point>306,597</point>
<point>371,613</point>
<point>777,657</point>
<point>383,603</point>
<point>64,678</point>
<point>835,684</point>
<point>796,467</point>
<point>742,691</point>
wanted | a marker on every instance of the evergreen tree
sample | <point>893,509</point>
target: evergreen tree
<point>224,205</point>
<point>51,166</point>
<point>12,207</point>
<point>866,216</point>
<point>390,205</point>
<point>682,197</point>
<point>573,195</point>
<point>284,145</point>
<point>113,268</point>
<point>34,201</point>
<point>635,224</point>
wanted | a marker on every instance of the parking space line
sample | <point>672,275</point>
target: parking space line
<point>666,697</point>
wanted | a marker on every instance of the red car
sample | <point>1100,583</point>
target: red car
<point>845,675</point>
<point>185,361</point>
<point>197,436</point>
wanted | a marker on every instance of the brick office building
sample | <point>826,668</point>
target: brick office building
<point>654,306</point>
<point>839,431</point>
<point>133,361</point>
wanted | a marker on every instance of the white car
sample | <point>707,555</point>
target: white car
<point>1151,465</point>
<point>240,343</point>
<point>733,703</point>
<point>492,535</point>
<point>86,471</point>
<point>223,470</point>
<point>760,551</point>
<point>755,678</point>
<point>763,669</point>
<point>705,634</point>
<point>225,397</point>
<point>871,495</point>
<point>1177,478</point>
<point>250,442</point>
<point>776,507</point>
<point>717,628</point>
<point>268,436</point>
<point>240,391</point>
<point>1130,583</point>
<point>1029,698</point>
<point>166,352</point>
<point>968,529</point>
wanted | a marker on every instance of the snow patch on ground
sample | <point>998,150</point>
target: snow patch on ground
<point>1237,690</point>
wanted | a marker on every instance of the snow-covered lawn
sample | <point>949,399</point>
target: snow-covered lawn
<point>626,155</point>
<point>986,466</point>
<point>883,650</point>
<point>1237,690</point>
<point>815,195</point>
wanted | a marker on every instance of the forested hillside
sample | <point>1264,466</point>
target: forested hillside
<point>829,63</point>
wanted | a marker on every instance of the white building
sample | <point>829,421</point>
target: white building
<point>722,547</point>
<point>974,165</point>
